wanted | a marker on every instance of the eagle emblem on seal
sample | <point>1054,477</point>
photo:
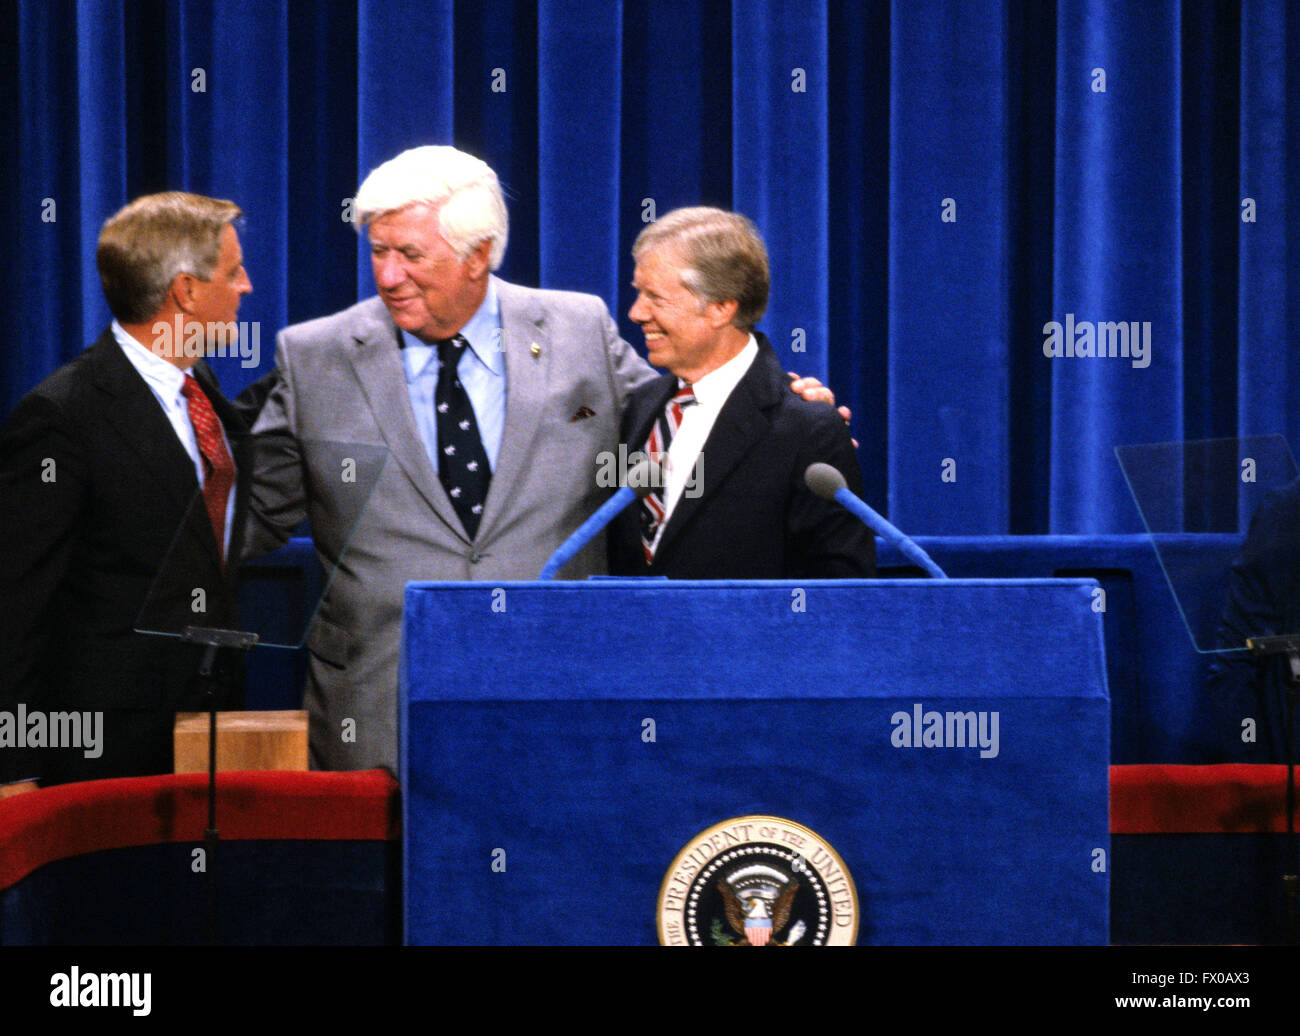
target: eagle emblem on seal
<point>757,902</point>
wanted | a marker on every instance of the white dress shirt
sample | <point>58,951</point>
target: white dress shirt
<point>165,381</point>
<point>711,394</point>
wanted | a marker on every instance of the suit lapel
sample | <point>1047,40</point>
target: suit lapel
<point>528,372</point>
<point>742,421</point>
<point>134,412</point>
<point>377,362</point>
<point>141,422</point>
<point>645,408</point>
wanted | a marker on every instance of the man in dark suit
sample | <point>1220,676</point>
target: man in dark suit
<point>733,503</point>
<point>1264,601</point>
<point>118,466</point>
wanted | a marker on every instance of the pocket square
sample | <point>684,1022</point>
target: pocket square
<point>582,413</point>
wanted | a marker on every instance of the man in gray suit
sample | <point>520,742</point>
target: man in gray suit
<point>492,401</point>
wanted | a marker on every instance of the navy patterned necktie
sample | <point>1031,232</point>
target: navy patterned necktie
<point>462,461</point>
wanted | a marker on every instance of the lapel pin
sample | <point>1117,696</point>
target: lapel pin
<point>535,349</point>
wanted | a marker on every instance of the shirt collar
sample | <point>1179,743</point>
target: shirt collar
<point>150,365</point>
<point>482,331</point>
<point>713,389</point>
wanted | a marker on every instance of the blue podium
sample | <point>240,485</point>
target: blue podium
<point>562,743</point>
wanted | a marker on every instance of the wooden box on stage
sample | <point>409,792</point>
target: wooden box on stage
<point>245,741</point>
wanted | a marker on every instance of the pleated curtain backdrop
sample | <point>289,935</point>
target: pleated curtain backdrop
<point>936,180</point>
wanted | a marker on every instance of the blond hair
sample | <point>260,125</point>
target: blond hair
<point>146,244</point>
<point>724,258</point>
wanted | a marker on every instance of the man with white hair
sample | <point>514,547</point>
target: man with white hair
<point>492,400</point>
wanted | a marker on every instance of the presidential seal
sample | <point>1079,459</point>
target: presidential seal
<point>757,881</point>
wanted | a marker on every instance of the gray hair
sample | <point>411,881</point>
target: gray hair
<point>146,244</point>
<point>471,209</point>
<point>724,258</point>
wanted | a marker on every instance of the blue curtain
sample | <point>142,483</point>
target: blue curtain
<point>937,181</point>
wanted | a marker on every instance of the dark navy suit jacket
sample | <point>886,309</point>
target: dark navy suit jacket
<point>754,517</point>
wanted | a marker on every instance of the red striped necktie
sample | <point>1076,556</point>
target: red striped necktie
<point>661,435</point>
<point>218,467</point>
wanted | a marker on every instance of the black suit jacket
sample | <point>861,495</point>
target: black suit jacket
<point>97,496</point>
<point>754,517</point>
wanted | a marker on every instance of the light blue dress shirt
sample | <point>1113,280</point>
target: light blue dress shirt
<point>482,371</point>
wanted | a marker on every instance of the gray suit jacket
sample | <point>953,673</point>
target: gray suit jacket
<point>339,421</point>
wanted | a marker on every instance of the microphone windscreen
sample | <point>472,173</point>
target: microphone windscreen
<point>824,480</point>
<point>644,476</point>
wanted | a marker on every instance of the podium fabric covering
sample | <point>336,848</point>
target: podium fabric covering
<point>540,808</point>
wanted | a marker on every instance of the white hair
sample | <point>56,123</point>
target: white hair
<point>465,189</point>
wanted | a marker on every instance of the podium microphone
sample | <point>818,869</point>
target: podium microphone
<point>644,476</point>
<point>829,484</point>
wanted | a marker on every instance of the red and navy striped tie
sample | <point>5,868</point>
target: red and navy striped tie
<point>661,435</point>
